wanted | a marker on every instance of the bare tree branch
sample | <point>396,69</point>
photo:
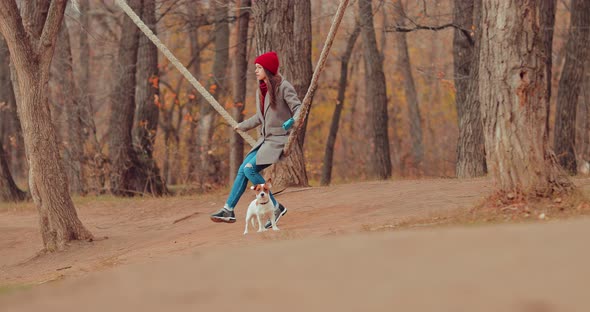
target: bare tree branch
<point>396,28</point>
<point>51,28</point>
<point>12,28</point>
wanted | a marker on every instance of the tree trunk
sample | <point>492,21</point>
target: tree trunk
<point>584,125</point>
<point>471,158</point>
<point>570,84</point>
<point>586,136</point>
<point>73,142</point>
<point>274,24</point>
<point>128,175</point>
<point>121,153</point>
<point>301,70</point>
<point>8,189</point>
<point>193,103</point>
<point>514,98</point>
<point>147,94</point>
<point>329,152</point>
<point>96,160</point>
<point>548,9</point>
<point>404,65</point>
<point>236,156</point>
<point>216,86</point>
<point>375,97</point>
<point>47,181</point>
<point>463,50</point>
<point>10,127</point>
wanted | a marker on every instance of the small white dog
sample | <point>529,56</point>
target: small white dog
<point>260,207</point>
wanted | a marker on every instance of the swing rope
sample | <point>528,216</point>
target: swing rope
<point>308,96</point>
<point>148,32</point>
<point>303,111</point>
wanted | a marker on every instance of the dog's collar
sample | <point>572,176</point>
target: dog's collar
<point>266,202</point>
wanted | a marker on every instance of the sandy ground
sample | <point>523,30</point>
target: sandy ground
<point>336,251</point>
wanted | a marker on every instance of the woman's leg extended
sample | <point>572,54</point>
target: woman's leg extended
<point>240,182</point>
<point>252,173</point>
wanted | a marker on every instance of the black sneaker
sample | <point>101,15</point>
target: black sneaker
<point>278,214</point>
<point>224,215</point>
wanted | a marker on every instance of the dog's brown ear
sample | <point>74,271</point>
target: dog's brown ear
<point>268,183</point>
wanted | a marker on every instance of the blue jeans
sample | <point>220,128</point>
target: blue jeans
<point>248,171</point>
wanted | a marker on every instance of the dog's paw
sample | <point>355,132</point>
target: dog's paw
<point>276,228</point>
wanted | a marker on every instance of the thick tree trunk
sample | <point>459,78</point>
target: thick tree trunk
<point>375,97</point>
<point>301,69</point>
<point>404,65</point>
<point>329,152</point>
<point>217,87</point>
<point>121,153</point>
<point>471,158</point>
<point>47,181</point>
<point>570,84</point>
<point>274,30</point>
<point>72,138</point>
<point>514,98</point>
<point>236,154</point>
<point>10,128</point>
<point>147,94</point>
<point>128,175</point>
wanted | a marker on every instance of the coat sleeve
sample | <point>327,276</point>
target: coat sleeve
<point>292,100</point>
<point>249,123</point>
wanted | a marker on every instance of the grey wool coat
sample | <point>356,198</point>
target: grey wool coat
<point>272,136</point>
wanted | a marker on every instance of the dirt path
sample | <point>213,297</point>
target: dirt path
<point>139,230</point>
<point>325,256</point>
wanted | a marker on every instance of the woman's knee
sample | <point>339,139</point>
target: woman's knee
<point>252,173</point>
<point>249,169</point>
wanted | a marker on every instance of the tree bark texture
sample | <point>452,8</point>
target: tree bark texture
<point>10,129</point>
<point>240,74</point>
<point>329,152</point>
<point>72,139</point>
<point>514,98</point>
<point>404,64</point>
<point>121,153</point>
<point>147,94</point>
<point>217,84</point>
<point>274,31</point>
<point>128,175</point>
<point>375,97</point>
<point>31,54</point>
<point>570,84</point>
<point>9,192</point>
<point>471,158</point>
<point>301,69</point>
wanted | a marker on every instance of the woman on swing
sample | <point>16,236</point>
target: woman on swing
<point>276,107</point>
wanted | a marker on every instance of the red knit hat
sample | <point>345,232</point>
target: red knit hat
<point>268,60</point>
